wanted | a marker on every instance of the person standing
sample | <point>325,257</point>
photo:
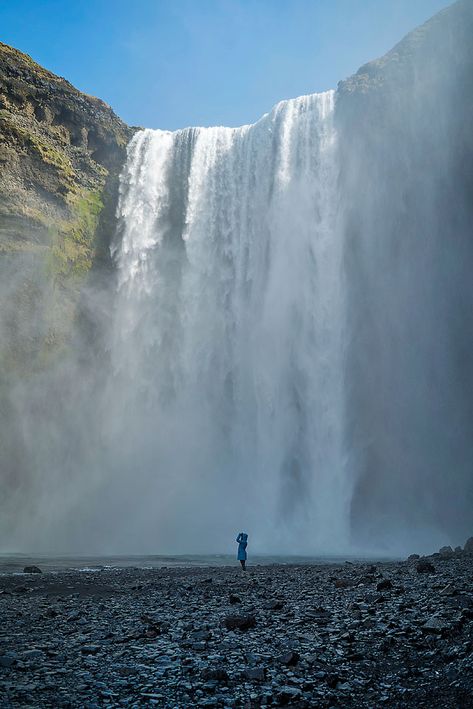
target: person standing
<point>242,540</point>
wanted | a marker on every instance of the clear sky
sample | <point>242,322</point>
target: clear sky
<point>174,63</point>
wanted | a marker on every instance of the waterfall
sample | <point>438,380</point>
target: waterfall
<point>227,351</point>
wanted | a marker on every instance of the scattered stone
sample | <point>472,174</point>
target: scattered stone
<point>361,647</point>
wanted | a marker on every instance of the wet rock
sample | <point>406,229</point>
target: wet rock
<point>240,622</point>
<point>425,567</point>
<point>344,583</point>
<point>469,546</point>
<point>289,658</point>
<point>435,625</point>
<point>233,598</point>
<point>33,654</point>
<point>6,661</point>
<point>273,605</point>
<point>413,557</point>
<point>257,674</point>
<point>32,570</point>
<point>446,551</point>
<point>218,674</point>
<point>384,585</point>
<point>199,635</point>
<point>287,694</point>
<point>20,589</point>
<point>90,649</point>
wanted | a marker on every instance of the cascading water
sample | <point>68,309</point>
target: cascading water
<point>227,346</point>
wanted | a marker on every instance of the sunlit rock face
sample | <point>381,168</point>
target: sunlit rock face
<point>283,344</point>
<point>406,154</point>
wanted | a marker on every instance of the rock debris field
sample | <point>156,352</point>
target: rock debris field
<point>394,634</point>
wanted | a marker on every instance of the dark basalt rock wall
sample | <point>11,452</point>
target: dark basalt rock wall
<point>406,132</point>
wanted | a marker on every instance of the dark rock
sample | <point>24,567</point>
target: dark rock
<point>344,583</point>
<point>273,605</point>
<point>425,567</point>
<point>256,673</point>
<point>384,585</point>
<point>6,661</point>
<point>446,551</point>
<point>288,694</point>
<point>234,599</point>
<point>33,655</point>
<point>435,625</point>
<point>201,635</point>
<point>240,622</point>
<point>291,657</point>
<point>20,589</point>
<point>218,674</point>
<point>469,546</point>
<point>413,557</point>
<point>90,649</point>
<point>32,570</point>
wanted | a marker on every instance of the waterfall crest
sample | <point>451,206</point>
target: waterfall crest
<point>227,342</point>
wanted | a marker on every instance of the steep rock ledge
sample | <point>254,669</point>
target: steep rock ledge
<point>60,155</point>
<point>406,154</point>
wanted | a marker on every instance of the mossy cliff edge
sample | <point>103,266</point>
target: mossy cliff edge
<point>61,152</point>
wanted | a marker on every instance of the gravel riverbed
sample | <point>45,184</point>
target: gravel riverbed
<point>392,634</point>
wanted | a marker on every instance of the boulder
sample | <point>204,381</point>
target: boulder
<point>32,570</point>
<point>469,545</point>
<point>425,567</point>
<point>289,658</point>
<point>240,622</point>
<point>257,674</point>
<point>446,551</point>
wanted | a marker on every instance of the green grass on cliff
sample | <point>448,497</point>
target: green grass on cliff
<point>73,242</point>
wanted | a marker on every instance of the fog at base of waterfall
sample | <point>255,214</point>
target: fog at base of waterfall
<point>281,343</point>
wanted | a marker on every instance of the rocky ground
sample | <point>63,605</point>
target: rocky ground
<point>397,634</point>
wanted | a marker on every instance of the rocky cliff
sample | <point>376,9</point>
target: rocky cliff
<point>405,125</point>
<point>60,155</point>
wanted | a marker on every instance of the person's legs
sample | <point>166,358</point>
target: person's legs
<point>243,562</point>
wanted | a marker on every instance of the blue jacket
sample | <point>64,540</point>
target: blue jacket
<point>242,540</point>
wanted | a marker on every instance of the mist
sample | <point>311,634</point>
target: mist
<point>283,342</point>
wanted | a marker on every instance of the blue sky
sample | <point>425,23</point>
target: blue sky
<point>174,63</point>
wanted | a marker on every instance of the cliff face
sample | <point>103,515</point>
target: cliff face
<point>405,125</point>
<point>60,155</point>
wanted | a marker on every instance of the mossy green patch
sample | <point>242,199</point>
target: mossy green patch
<point>73,242</point>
